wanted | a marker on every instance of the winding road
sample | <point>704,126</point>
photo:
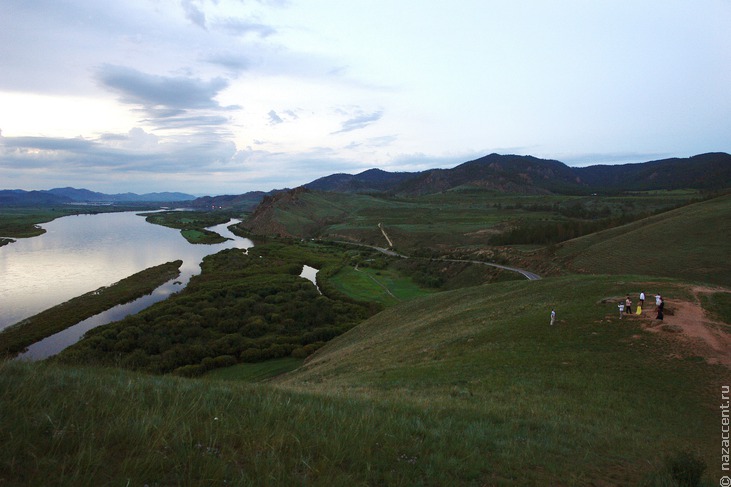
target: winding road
<point>527,274</point>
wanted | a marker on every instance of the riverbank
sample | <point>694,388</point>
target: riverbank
<point>19,336</point>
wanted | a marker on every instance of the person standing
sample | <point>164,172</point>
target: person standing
<point>658,298</point>
<point>660,308</point>
<point>553,316</point>
<point>628,305</point>
<point>642,299</point>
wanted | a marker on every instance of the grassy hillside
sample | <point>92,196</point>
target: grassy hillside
<point>464,218</point>
<point>468,387</point>
<point>691,242</point>
<point>585,401</point>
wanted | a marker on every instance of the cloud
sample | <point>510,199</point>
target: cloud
<point>241,27</point>
<point>232,61</point>
<point>274,119</point>
<point>155,92</point>
<point>194,14</point>
<point>113,154</point>
<point>359,121</point>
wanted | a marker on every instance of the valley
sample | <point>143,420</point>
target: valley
<point>416,366</point>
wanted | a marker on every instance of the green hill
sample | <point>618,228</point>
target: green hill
<point>692,243</point>
<point>468,387</point>
<point>586,401</point>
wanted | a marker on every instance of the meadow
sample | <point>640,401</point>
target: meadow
<point>467,387</point>
<point>454,378</point>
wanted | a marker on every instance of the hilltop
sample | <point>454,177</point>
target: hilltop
<point>532,175</point>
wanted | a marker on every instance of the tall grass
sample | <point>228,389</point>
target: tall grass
<point>469,387</point>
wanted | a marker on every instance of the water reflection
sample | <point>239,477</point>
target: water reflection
<point>81,253</point>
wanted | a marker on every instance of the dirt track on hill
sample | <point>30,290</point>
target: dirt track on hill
<point>689,323</point>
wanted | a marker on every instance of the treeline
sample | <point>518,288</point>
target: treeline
<point>241,308</point>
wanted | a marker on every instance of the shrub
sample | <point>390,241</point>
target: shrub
<point>686,468</point>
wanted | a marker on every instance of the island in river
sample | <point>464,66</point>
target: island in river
<point>19,336</point>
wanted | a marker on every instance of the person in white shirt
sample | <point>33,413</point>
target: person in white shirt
<point>553,316</point>
<point>642,299</point>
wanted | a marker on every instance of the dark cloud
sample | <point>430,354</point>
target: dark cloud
<point>359,121</point>
<point>137,151</point>
<point>47,143</point>
<point>193,13</point>
<point>153,92</point>
<point>234,62</point>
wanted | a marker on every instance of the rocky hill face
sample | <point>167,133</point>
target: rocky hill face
<point>263,220</point>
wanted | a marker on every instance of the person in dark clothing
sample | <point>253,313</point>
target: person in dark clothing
<point>660,308</point>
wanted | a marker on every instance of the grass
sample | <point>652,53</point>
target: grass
<point>686,243</point>
<point>46,323</point>
<point>718,305</point>
<point>586,397</point>
<point>384,286</point>
<point>465,218</point>
<point>467,387</point>
<point>23,222</point>
<point>256,372</point>
<point>192,224</point>
<point>202,236</point>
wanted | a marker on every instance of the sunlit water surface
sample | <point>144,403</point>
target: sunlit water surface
<point>81,253</point>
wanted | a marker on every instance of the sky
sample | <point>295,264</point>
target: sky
<point>216,97</point>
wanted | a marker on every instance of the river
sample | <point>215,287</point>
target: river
<point>81,253</point>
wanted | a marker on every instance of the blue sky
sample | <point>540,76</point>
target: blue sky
<point>229,96</point>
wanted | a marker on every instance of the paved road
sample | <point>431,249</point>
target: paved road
<point>528,275</point>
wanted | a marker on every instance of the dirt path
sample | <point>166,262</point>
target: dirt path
<point>390,244</point>
<point>705,336</point>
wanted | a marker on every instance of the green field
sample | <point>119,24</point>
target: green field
<point>691,242</point>
<point>416,371</point>
<point>258,372</point>
<point>467,387</point>
<point>385,286</point>
<point>192,224</point>
<point>457,219</point>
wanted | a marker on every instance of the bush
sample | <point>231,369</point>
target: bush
<point>686,468</point>
<point>190,370</point>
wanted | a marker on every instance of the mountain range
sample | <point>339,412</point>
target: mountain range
<point>503,173</point>
<point>18,197</point>
<point>531,175</point>
<point>515,174</point>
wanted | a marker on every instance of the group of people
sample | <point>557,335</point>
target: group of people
<point>659,305</point>
<point>626,308</point>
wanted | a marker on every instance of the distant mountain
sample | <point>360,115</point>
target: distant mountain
<point>17,197</point>
<point>710,171</point>
<point>532,175</point>
<point>370,181</point>
<point>84,195</point>
<point>56,196</point>
<point>504,173</point>
<point>246,202</point>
